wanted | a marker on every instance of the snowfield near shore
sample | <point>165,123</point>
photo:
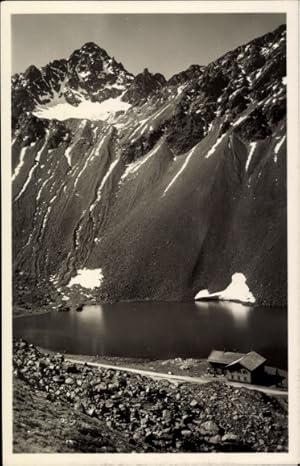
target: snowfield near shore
<point>87,278</point>
<point>237,290</point>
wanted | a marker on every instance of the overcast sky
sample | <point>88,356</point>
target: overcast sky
<point>165,43</point>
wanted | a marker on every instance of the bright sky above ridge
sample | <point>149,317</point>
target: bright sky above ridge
<point>165,43</point>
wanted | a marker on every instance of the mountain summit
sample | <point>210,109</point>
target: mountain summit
<point>133,187</point>
<point>89,74</point>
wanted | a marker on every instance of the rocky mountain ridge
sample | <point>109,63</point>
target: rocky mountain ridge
<point>134,188</point>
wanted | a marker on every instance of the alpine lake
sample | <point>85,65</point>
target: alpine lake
<point>161,330</point>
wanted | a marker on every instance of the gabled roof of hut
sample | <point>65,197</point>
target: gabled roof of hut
<point>250,361</point>
<point>224,357</point>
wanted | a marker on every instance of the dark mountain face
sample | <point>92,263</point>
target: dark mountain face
<point>143,86</point>
<point>129,188</point>
<point>194,71</point>
<point>93,75</point>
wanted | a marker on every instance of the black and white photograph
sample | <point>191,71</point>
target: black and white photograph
<point>150,301</point>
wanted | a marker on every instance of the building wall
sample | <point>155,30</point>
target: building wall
<point>217,368</point>
<point>239,375</point>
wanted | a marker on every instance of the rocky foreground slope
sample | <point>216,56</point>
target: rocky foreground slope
<point>133,187</point>
<point>104,410</point>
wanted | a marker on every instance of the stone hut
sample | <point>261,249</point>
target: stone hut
<point>238,367</point>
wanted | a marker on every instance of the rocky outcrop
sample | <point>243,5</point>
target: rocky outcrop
<point>143,86</point>
<point>43,426</point>
<point>193,72</point>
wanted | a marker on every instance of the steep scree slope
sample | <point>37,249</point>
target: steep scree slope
<point>142,188</point>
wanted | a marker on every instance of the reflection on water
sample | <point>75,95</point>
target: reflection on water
<point>239,312</point>
<point>161,330</point>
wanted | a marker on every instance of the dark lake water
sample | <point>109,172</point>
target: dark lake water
<point>161,330</point>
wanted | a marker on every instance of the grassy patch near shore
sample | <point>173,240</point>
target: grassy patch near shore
<point>21,311</point>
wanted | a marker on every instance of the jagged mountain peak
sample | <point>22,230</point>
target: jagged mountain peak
<point>192,72</point>
<point>89,52</point>
<point>94,60</point>
<point>148,77</point>
<point>146,73</point>
<point>32,72</point>
<point>91,47</point>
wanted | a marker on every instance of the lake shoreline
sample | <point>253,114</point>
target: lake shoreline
<point>174,366</point>
<point>181,367</point>
<point>23,311</point>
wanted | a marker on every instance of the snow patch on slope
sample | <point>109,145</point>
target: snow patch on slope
<point>20,164</point>
<point>188,158</point>
<point>105,178</point>
<point>252,150</point>
<point>239,120</point>
<point>85,110</point>
<point>71,147</point>
<point>213,148</point>
<point>134,167</point>
<point>277,147</point>
<point>237,290</point>
<point>87,278</point>
<point>33,168</point>
<point>89,159</point>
